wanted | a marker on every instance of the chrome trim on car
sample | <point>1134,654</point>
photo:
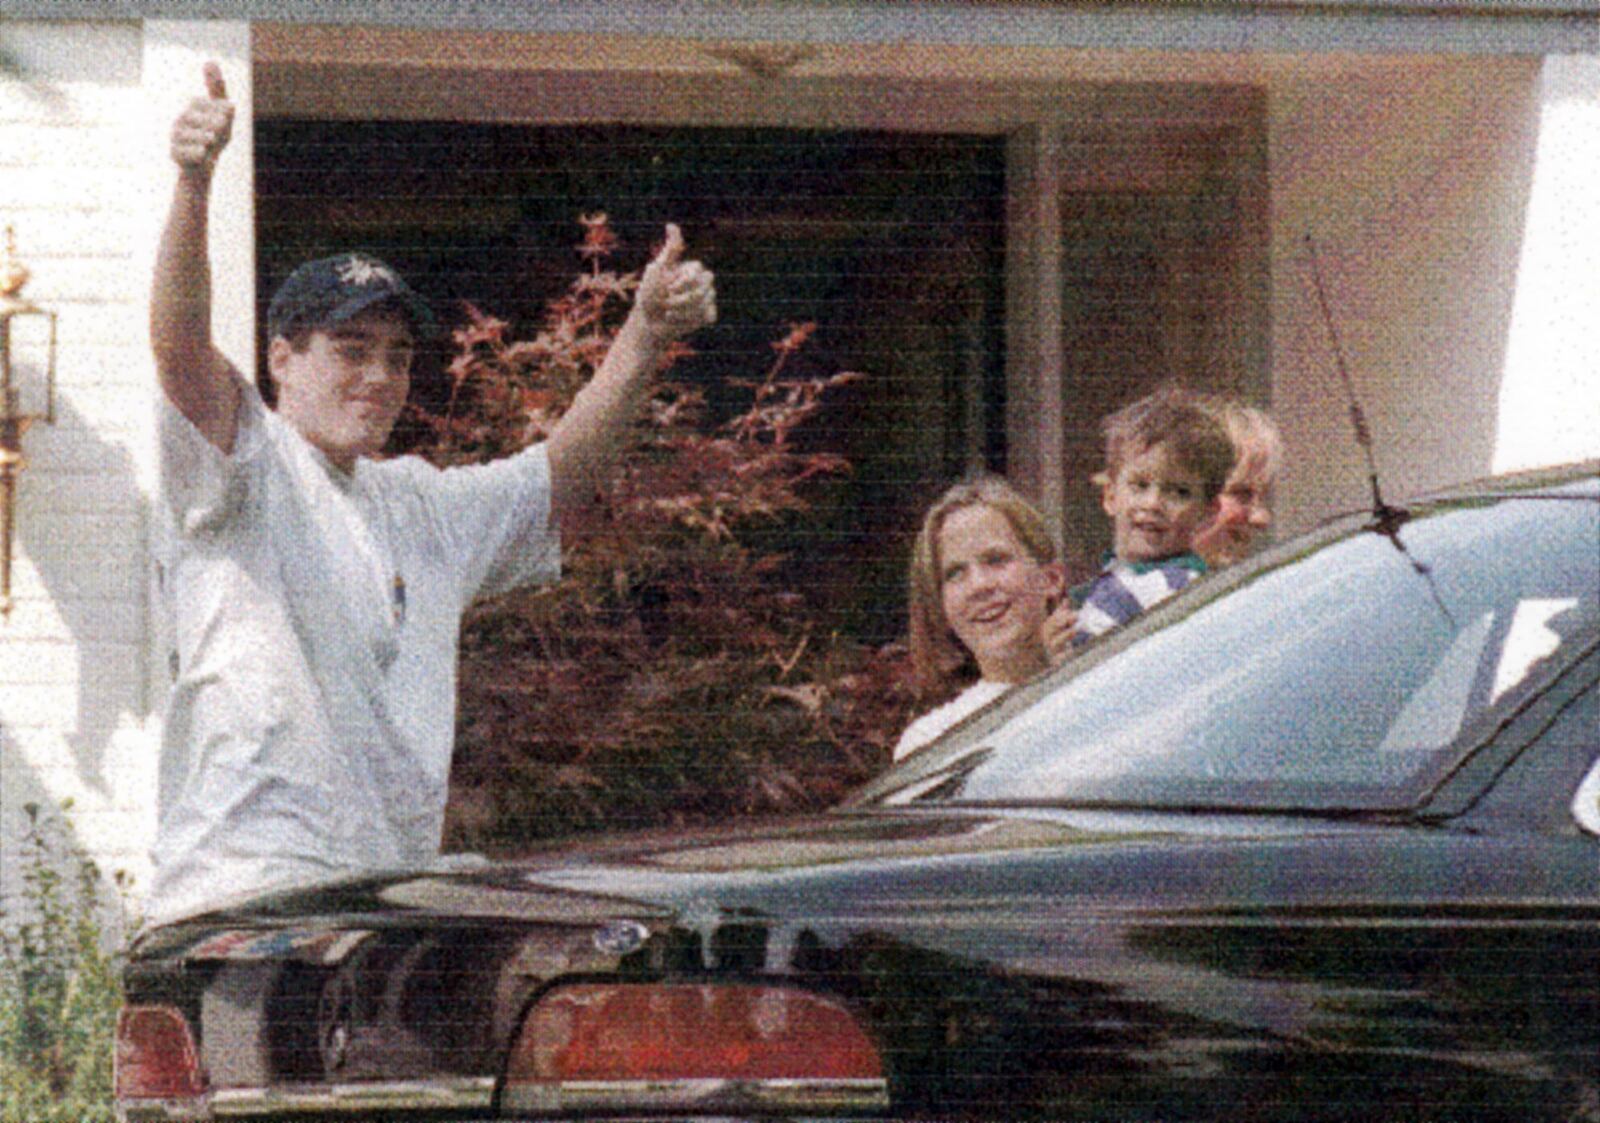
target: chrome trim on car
<point>1586,800</point>
<point>477,1093</point>
<point>620,937</point>
<point>436,1093</point>
<point>471,1093</point>
<point>699,1095</point>
<point>162,1111</point>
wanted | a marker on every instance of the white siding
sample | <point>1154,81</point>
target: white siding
<point>75,713</point>
<point>1413,183</point>
<point>1550,396</point>
<point>84,178</point>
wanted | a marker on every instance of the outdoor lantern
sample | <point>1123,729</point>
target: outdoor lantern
<point>27,389</point>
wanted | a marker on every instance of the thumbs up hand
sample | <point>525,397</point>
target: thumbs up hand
<point>202,130</point>
<point>676,296</point>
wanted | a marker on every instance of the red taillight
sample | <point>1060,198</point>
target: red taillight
<point>584,1045</point>
<point>156,1057</point>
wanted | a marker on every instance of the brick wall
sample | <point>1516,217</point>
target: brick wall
<point>75,700</point>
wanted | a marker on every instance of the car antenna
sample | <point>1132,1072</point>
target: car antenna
<point>1387,516</point>
<point>1388,520</point>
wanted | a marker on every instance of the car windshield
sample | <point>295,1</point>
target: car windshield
<point>1353,673</point>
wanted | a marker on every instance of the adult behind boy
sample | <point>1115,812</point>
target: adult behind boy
<point>1245,506</point>
<point>315,593</point>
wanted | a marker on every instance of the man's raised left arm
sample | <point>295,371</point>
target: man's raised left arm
<point>675,297</point>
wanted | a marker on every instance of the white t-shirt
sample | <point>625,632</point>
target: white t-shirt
<point>940,718</point>
<point>314,621</point>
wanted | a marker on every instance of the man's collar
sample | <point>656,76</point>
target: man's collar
<point>340,478</point>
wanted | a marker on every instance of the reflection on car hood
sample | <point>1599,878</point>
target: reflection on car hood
<point>774,867</point>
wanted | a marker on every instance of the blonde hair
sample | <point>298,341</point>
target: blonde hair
<point>939,659</point>
<point>1255,437</point>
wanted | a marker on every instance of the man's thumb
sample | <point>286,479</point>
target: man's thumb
<point>672,251</point>
<point>216,88</point>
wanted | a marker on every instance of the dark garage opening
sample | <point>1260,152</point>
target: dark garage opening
<point>891,243</point>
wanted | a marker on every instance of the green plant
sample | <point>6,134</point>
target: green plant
<point>60,986</point>
<point>674,674</point>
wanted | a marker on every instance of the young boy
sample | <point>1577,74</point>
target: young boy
<point>1166,464</point>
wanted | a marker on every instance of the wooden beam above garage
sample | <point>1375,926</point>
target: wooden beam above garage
<point>1534,27</point>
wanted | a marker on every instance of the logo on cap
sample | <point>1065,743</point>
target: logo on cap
<point>331,290</point>
<point>364,271</point>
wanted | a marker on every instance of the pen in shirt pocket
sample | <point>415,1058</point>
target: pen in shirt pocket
<point>399,600</point>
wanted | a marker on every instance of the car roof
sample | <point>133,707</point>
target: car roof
<point>1576,480</point>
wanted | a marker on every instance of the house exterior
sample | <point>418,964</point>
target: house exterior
<point>1438,157</point>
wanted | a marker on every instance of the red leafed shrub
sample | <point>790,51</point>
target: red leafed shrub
<point>670,676</point>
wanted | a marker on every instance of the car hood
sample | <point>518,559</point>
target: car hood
<point>854,864</point>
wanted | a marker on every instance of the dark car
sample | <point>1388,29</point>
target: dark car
<point>1315,839</point>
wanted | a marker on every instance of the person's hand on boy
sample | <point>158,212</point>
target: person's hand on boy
<point>1056,632</point>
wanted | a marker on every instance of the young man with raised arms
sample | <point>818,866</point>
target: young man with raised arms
<point>315,593</point>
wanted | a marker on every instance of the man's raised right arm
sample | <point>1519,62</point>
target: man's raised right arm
<point>195,376</point>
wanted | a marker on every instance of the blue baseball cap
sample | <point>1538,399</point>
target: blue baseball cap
<point>331,290</point>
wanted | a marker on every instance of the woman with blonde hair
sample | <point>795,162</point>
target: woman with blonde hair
<point>1246,499</point>
<point>985,574</point>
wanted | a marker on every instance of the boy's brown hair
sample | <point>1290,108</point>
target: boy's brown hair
<point>1193,436</point>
